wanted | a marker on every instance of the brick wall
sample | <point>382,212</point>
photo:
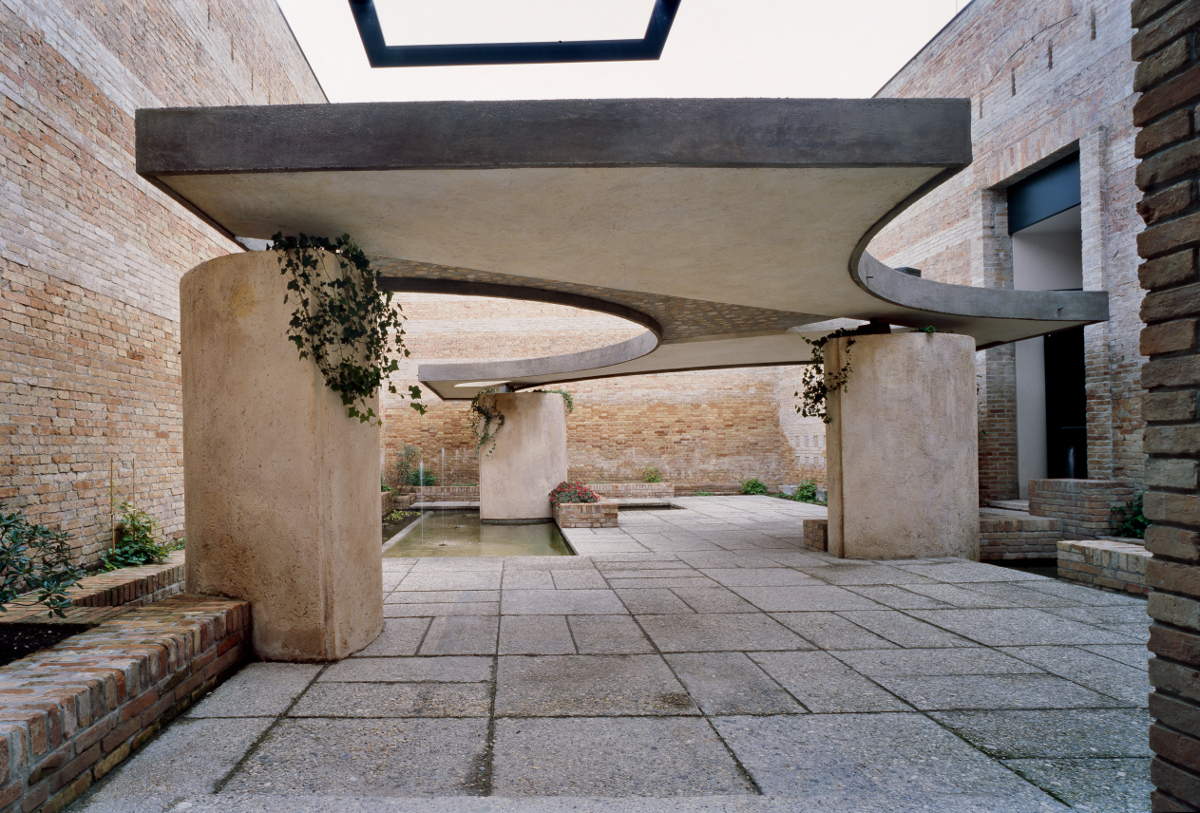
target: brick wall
<point>1018,538</point>
<point>91,255</point>
<point>603,514</point>
<point>1106,564</point>
<point>1045,79</point>
<point>1168,77</point>
<point>1083,507</point>
<point>698,427</point>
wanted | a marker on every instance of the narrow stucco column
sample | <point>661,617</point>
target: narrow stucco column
<point>529,460</point>
<point>281,488</point>
<point>902,448</point>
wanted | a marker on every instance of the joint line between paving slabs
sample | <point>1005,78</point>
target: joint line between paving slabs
<point>254,746</point>
<point>742,770</point>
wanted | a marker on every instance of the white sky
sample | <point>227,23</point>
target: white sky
<point>717,48</point>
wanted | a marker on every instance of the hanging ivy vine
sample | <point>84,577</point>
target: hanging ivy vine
<point>343,320</point>
<point>816,382</point>
<point>486,420</point>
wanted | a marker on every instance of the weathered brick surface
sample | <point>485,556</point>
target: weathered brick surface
<point>91,254</point>
<point>1084,507</point>
<point>1169,148</point>
<point>1045,79</point>
<point>816,534</point>
<point>1018,538</point>
<point>1107,564</point>
<point>70,714</point>
<point>602,514</point>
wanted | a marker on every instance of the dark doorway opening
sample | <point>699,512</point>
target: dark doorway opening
<point>1066,405</point>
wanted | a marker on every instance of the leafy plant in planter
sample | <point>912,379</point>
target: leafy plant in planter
<point>652,474</point>
<point>408,468</point>
<point>343,320</point>
<point>137,542</point>
<point>1129,519</point>
<point>35,558</point>
<point>572,492</point>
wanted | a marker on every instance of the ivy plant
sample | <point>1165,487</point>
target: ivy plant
<point>343,320</point>
<point>486,421</point>
<point>816,382</point>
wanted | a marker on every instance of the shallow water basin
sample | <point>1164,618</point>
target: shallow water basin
<point>460,533</point>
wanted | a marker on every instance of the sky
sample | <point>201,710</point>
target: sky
<point>717,48</point>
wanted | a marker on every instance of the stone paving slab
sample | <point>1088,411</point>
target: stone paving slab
<point>647,757</point>
<point>588,686</point>
<point>1047,733</point>
<point>689,697</point>
<point>367,758</point>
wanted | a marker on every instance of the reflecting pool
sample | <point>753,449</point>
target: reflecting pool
<point>460,533</point>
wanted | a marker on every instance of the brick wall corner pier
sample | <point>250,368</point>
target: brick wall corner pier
<point>1166,46</point>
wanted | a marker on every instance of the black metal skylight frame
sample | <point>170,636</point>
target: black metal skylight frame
<point>382,55</point>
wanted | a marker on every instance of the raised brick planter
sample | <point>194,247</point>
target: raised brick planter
<point>1083,506</point>
<point>601,514</point>
<point>632,490</point>
<point>816,535</point>
<point>71,713</point>
<point>1104,563</point>
<point>1018,537</point>
<point>124,588</point>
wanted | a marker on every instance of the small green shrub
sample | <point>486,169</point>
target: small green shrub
<point>383,486</point>
<point>754,486</point>
<point>572,492</point>
<point>652,474</point>
<point>137,542</point>
<point>408,468</point>
<point>398,514</point>
<point>806,491</point>
<point>1129,520</point>
<point>34,558</point>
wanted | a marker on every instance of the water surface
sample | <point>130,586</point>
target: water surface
<point>460,533</point>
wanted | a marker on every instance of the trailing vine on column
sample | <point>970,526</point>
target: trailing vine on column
<point>486,421</point>
<point>342,320</point>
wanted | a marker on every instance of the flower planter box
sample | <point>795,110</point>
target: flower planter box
<point>601,514</point>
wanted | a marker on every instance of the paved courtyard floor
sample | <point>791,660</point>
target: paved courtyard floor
<point>692,659</point>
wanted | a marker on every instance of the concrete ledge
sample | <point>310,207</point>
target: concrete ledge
<point>601,514</point>
<point>124,588</point>
<point>1105,563</point>
<point>73,712</point>
<point>439,493</point>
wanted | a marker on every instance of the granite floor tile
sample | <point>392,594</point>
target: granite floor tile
<point>866,574</point>
<point>1019,627</point>
<point>945,692</point>
<point>613,757</point>
<point>461,635</point>
<point>905,758</point>
<point>714,600</point>
<point>1091,785</point>
<point>1020,734</point>
<point>442,596</point>
<point>528,580</point>
<point>426,610</point>
<point>379,700</point>
<point>831,631</point>
<point>257,690</point>
<point>719,632</point>
<point>588,686</point>
<point>451,580</point>
<point>1127,684</point>
<point>957,571</point>
<point>400,637</point>
<point>906,631</point>
<point>446,669</point>
<point>535,635</point>
<point>753,577</point>
<point>1133,655</point>
<point>825,598</point>
<point>561,602</point>
<point>730,683</point>
<point>960,661</point>
<point>898,598</point>
<point>366,758</point>
<point>824,684</point>
<point>656,601</point>
<point>608,635</point>
<point>578,580</point>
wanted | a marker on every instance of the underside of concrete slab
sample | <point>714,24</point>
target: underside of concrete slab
<point>728,228</point>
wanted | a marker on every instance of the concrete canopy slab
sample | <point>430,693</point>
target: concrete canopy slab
<point>728,228</point>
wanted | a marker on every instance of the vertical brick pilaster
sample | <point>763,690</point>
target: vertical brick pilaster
<point>1093,175</point>
<point>1166,45</point>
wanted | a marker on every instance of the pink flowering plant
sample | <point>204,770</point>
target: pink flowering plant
<point>572,492</point>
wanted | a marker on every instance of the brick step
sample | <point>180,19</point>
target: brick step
<point>104,595</point>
